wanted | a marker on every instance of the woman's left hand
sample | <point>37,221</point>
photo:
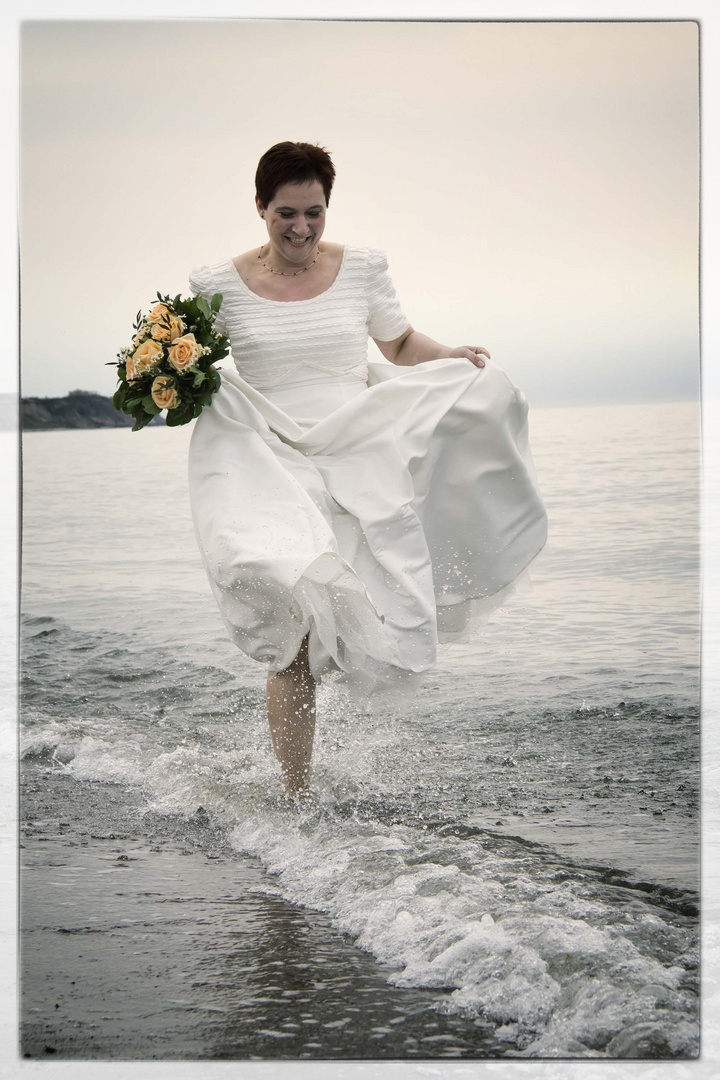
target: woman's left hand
<point>473,353</point>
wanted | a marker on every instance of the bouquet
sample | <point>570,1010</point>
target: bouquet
<point>169,364</point>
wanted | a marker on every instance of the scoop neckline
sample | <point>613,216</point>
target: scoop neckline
<point>309,300</point>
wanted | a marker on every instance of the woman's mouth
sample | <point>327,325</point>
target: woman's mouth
<point>297,242</point>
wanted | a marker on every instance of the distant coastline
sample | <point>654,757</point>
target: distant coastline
<point>78,409</point>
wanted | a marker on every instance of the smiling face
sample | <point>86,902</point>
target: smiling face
<point>295,219</point>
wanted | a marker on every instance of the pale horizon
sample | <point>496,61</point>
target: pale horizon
<point>537,194</point>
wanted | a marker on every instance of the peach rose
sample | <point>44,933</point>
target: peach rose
<point>164,393</point>
<point>184,352</point>
<point>158,312</point>
<point>168,330</point>
<point>146,357</point>
<point>139,338</point>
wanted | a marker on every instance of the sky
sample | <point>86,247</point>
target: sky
<point>535,185</point>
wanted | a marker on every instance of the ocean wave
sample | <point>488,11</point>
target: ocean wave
<point>437,847</point>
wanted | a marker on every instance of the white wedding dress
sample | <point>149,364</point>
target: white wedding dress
<point>374,508</point>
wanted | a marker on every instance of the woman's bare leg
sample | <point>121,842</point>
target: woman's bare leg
<point>291,715</point>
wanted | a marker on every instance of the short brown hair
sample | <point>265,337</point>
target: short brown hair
<point>293,163</point>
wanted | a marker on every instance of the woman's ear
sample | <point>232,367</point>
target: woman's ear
<point>260,207</point>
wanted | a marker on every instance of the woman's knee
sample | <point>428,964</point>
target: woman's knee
<point>300,666</point>
<point>301,663</point>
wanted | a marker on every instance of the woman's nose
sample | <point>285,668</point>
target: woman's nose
<point>301,228</point>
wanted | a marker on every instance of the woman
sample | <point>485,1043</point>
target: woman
<point>350,515</point>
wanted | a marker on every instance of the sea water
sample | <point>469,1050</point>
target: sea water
<point>521,839</point>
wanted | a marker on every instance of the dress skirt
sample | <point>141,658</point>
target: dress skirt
<point>377,520</point>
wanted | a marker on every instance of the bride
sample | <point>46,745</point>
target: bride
<point>350,514</point>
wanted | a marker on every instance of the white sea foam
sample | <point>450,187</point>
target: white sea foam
<point>557,967</point>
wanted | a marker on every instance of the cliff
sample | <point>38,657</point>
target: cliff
<point>79,409</point>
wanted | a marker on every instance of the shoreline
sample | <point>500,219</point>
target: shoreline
<point>145,937</point>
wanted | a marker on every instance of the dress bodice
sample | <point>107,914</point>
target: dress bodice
<point>281,344</point>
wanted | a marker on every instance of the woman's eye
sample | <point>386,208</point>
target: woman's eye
<point>287,214</point>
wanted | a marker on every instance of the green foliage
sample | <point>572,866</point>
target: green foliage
<point>142,418</point>
<point>181,415</point>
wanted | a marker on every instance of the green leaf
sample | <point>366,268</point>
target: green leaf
<point>199,378</point>
<point>216,301</point>
<point>198,408</point>
<point>176,417</point>
<point>149,405</point>
<point>203,307</point>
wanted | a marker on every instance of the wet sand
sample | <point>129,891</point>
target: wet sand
<point>147,937</point>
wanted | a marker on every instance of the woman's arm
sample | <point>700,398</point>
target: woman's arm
<point>414,348</point>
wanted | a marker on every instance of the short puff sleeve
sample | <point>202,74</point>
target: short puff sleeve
<point>385,317</point>
<point>202,283</point>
